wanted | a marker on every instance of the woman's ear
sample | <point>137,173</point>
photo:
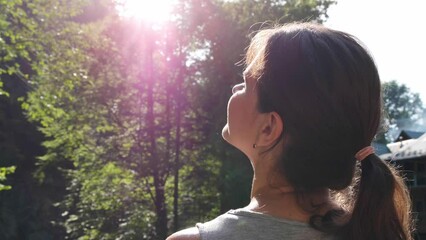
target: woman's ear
<point>271,128</point>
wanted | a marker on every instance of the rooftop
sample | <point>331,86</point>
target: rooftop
<point>406,149</point>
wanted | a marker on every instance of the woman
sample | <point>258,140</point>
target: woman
<point>305,116</point>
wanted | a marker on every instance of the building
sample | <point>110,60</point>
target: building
<point>408,153</point>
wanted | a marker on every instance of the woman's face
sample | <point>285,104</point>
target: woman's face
<point>240,129</point>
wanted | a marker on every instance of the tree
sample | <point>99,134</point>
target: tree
<point>403,108</point>
<point>120,113</point>
<point>10,49</point>
<point>26,46</point>
<point>26,207</point>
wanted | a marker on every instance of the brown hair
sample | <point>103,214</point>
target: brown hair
<point>326,88</point>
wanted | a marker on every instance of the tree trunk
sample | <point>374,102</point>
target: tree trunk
<point>160,208</point>
<point>177,163</point>
<point>155,161</point>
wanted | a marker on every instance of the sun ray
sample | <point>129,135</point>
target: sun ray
<point>154,11</point>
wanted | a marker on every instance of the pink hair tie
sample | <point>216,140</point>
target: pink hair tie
<point>363,153</point>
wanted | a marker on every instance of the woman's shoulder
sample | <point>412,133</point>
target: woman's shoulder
<point>186,234</point>
<point>194,233</point>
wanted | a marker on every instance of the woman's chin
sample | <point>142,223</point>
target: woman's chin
<point>225,133</point>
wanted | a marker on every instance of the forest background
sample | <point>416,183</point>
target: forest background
<point>110,128</point>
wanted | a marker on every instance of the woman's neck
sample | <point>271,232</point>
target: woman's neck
<point>273,202</point>
<point>271,194</point>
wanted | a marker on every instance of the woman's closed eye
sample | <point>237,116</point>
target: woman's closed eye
<point>238,87</point>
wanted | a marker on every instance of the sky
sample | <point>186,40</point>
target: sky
<point>394,32</point>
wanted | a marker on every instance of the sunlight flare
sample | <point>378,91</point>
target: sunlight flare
<point>154,11</point>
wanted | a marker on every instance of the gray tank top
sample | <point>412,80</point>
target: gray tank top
<point>249,225</point>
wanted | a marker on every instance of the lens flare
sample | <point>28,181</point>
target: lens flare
<point>155,11</point>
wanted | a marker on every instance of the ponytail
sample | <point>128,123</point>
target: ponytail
<point>382,208</point>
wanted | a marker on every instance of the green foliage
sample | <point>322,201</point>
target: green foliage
<point>110,177</point>
<point>403,109</point>
<point>400,102</point>
<point>25,210</point>
<point>3,172</point>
